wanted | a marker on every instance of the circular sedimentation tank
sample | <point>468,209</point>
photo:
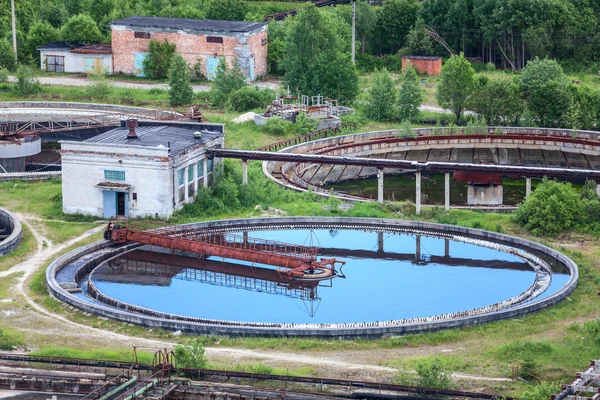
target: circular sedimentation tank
<point>399,277</point>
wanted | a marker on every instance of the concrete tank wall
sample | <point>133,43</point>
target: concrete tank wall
<point>9,223</point>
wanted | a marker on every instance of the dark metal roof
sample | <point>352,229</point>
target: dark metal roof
<point>98,48</point>
<point>189,24</point>
<point>422,57</point>
<point>177,136</point>
<point>65,46</point>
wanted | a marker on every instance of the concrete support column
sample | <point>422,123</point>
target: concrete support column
<point>195,166</point>
<point>527,187</point>
<point>380,242</point>
<point>418,248</point>
<point>380,185</point>
<point>418,194</point>
<point>447,191</point>
<point>244,172</point>
<point>446,247</point>
<point>245,237</point>
<point>186,183</point>
<point>205,172</point>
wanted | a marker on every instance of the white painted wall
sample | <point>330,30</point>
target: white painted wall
<point>74,62</point>
<point>151,173</point>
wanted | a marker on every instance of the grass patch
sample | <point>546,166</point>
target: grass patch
<point>25,249</point>
<point>95,354</point>
<point>6,283</point>
<point>9,339</point>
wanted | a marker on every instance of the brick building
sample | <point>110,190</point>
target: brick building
<point>424,64</point>
<point>148,170</point>
<point>204,41</point>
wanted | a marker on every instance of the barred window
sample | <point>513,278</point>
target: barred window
<point>191,173</point>
<point>211,163</point>
<point>141,35</point>
<point>200,168</point>
<point>214,39</point>
<point>180,176</point>
<point>114,175</point>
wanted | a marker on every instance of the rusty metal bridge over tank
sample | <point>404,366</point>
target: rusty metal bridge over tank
<point>293,261</point>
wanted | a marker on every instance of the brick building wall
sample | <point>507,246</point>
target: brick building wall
<point>424,65</point>
<point>193,47</point>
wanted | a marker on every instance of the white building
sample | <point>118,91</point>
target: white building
<point>148,170</point>
<point>76,57</point>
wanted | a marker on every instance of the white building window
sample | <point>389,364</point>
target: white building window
<point>200,168</point>
<point>211,165</point>
<point>111,175</point>
<point>55,63</point>
<point>181,176</point>
<point>191,173</point>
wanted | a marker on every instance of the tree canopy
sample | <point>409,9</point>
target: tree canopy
<point>314,59</point>
<point>457,82</point>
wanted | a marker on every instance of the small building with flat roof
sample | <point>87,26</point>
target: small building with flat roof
<point>75,57</point>
<point>145,169</point>
<point>424,64</point>
<point>202,43</point>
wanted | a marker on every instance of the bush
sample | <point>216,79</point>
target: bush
<point>433,375</point>
<point>3,75</point>
<point>100,87</point>
<point>248,98</point>
<point>8,341</point>
<point>552,208</point>
<point>191,355</point>
<point>27,83</point>
<point>541,391</point>
<point>7,55</point>
<point>277,127</point>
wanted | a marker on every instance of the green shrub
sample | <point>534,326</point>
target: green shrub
<point>190,355</point>
<point>433,375</point>
<point>27,83</point>
<point>158,61</point>
<point>248,98</point>
<point>3,75</point>
<point>180,88</point>
<point>552,208</point>
<point>100,87</point>
<point>541,391</point>
<point>277,127</point>
<point>8,341</point>
<point>227,81</point>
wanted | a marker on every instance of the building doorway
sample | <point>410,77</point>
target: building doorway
<point>120,204</point>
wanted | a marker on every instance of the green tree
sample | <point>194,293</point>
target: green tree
<point>381,97</point>
<point>497,100</point>
<point>314,59</point>
<point>418,42</point>
<point>227,81</point>
<point>81,28</point>
<point>191,355</point>
<point>180,88</point>
<point>158,61</point>
<point>394,21</point>
<point>552,208</point>
<point>232,10</point>
<point>457,83</point>
<point>7,55</point>
<point>276,35</point>
<point>410,96</point>
<point>545,87</point>
<point>39,34</point>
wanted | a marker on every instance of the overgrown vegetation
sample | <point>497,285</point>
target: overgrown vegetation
<point>190,355</point>
<point>555,207</point>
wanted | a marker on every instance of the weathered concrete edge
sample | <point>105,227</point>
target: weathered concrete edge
<point>83,106</point>
<point>12,241</point>
<point>340,333</point>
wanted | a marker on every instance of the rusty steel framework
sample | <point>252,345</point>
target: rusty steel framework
<point>296,262</point>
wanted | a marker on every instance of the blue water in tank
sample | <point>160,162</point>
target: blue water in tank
<point>380,282</point>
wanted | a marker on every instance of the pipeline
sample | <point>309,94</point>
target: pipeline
<point>119,389</point>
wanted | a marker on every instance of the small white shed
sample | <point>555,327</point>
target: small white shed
<point>75,57</point>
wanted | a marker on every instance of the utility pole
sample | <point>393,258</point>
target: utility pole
<point>14,27</point>
<point>353,32</point>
